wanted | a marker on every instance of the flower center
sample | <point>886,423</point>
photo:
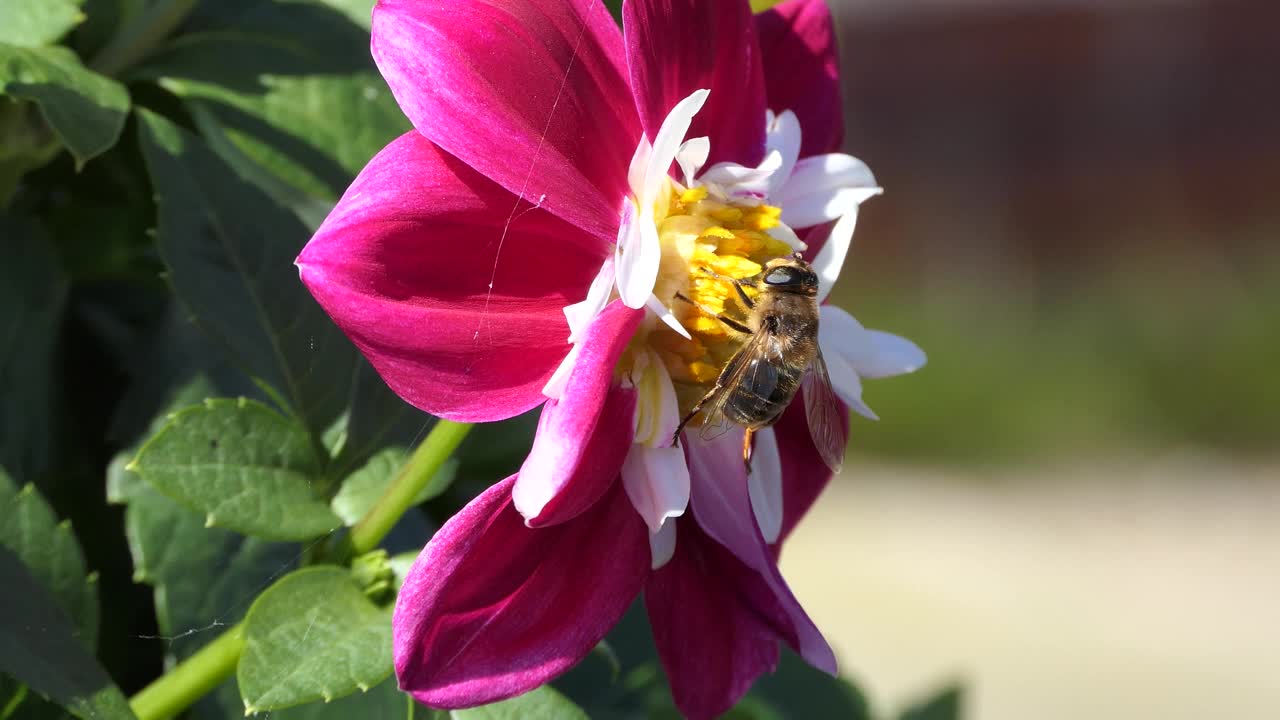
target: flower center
<point>707,242</point>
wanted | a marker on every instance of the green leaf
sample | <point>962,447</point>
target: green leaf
<point>378,418</point>
<point>85,109</point>
<point>32,23</point>
<point>230,253</point>
<point>946,705</point>
<point>804,691</point>
<point>363,487</point>
<point>40,648</point>
<point>541,704</point>
<point>401,563</point>
<point>33,294</point>
<point>753,708</point>
<point>203,577</point>
<point>383,702</point>
<point>30,530</point>
<point>312,636</point>
<point>243,467</point>
<point>26,143</point>
<point>311,113</point>
<point>123,484</point>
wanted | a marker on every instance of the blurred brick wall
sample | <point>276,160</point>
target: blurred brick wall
<point>1055,135</point>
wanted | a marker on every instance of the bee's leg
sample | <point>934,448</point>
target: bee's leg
<point>742,294</point>
<point>746,449</point>
<point>737,285</point>
<point>675,439</point>
<point>726,320</point>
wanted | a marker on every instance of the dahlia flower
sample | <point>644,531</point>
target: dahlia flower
<point>561,229</point>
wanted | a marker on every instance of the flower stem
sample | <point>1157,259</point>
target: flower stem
<point>192,678</point>
<point>137,39</point>
<point>439,444</point>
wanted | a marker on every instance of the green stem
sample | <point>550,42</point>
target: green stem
<point>192,678</point>
<point>440,443</point>
<point>136,40</point>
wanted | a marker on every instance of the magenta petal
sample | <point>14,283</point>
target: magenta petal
<point>802,70</point>
<point>712,643</point>
<point>675,47</point>
<point>532,94</point>
<point>721,504</point>
<point>584,437</point>
<point>576,456</point>
<point>492,609</point>
<point>815,238</point>
<point>404,265</point>
<point>804,474</point>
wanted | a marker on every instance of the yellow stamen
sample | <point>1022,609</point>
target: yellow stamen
<point>693,195</point>
<point>727,215</point>
<point>707,243</point>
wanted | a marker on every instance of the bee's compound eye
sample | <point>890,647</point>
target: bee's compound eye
<point>781,276</point>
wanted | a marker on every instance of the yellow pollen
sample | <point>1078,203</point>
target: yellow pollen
<point>707,243</point>
<point>727,214</point>
<point>693,195</point>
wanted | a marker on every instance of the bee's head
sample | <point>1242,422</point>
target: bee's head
<point>790,274</point>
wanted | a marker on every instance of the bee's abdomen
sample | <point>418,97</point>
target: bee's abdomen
<point>765,391</point>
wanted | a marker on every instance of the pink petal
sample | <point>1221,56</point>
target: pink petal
<point>675,47</point>
<point>492,609</point>
<point>459,310</point>
<point>531,94</point>
<point>720,502</point>
<point>712,642</point>
<point>801,70</point>
<point>804,474</point>
<point>584,436</point>
<point>576,457</point>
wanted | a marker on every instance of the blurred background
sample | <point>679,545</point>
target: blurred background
<point>1070,512</point>
<point>1071,509</point>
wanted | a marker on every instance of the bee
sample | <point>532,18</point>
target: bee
<point>780,357</point>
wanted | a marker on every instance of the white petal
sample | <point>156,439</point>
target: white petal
<point>831,257</point>
<point>783,233</point>
<point>667,143</point>
<point>845,382</point>
<point>664,313</point>
<point>637,256</point>
<point>581,314</point>
<point>764,484</point>
<point>824,172</point>
<point>870,353</point>
<point>555,386</point>
<point>783,135</point>
<point>657,406</point>
<point>639,163</point>
<point>841,332</point>
<point>893,355</point>
<point>735,179</point>
<point>692,156</point>
<point>824,187</point>
<point>657,482</point>
<point>810,210</point>
<point>662,544</point>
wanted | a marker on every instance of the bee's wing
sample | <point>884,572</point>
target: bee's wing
<point>822,410</point>
<point>748,367</point>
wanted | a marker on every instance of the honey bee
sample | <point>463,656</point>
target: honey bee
<point>780,357</point>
